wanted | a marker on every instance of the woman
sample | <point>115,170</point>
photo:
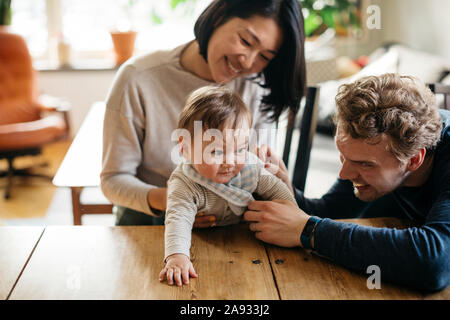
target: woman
<point>256,47</point>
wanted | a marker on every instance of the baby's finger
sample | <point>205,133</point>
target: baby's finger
<point>192,272</point>
<point>162,274</point>
<point>170,276</point>
<point>177,277</point>
<point>185,275</point>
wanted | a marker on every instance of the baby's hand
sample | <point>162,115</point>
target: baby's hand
<point>179,268</point>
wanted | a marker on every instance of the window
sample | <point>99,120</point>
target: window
<point>29,19</point>
<point>85,24</point>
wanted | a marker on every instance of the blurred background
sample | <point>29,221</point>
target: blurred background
<point>73,46</point>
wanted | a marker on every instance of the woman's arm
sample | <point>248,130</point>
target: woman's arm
<point>123,136</point>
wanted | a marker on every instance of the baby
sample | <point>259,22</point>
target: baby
<point>217,176</point>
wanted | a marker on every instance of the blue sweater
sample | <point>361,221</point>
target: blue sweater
<point>417,257</point>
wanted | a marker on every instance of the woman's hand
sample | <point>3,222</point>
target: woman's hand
<point>274,164</point>
<point>157,198</point>
<point>178,268</point>
<point>202,221</point>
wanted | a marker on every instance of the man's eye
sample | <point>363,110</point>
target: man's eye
<point>367,165</point>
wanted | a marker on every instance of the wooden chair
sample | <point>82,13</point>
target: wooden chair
<point>306,123</point>
<point>440,88</point>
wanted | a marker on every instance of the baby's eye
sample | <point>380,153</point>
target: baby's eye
<point>242,150</point>
<point>217,152</point>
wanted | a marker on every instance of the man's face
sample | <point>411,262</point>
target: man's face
<point>373,170</point>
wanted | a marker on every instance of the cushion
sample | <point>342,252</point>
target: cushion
<point>427,67</point>
<point>386,63</point>
<point>399,59</point>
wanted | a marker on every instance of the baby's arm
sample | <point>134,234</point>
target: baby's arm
<point>271,187</point>
<point>180,215</point>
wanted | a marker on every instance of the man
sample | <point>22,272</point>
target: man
<point>394,147</point>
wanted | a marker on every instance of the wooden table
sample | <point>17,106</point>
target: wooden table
<point>124,263</point>
<point>82,165</point>
<point>16,247</point>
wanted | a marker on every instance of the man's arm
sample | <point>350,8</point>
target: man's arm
<point>417,257</point>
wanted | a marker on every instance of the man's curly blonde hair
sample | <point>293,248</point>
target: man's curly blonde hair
<point>400,107</point>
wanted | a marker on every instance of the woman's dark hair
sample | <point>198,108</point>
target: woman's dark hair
<point>285,75</point>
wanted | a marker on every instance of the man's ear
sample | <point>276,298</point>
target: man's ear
<point>416,161</point>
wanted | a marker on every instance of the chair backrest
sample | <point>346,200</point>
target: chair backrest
<point>307,125</point>
<point>18,88</point>
<point>440,88</point>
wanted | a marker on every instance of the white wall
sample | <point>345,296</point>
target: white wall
<point>81,88</point>
<point>421,24</point>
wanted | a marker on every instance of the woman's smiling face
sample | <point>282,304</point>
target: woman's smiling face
<point>242,46</point>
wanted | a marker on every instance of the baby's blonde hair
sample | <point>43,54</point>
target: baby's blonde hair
<point>218,107</point>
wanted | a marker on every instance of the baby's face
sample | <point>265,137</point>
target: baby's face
<point>224,158</point>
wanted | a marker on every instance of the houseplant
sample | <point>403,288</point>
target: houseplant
<point>123,37</point>
<point>5,12</point>
<point>341,15</point>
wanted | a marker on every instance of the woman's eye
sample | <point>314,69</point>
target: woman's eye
<point>265,58</point>
<point>245,42</point>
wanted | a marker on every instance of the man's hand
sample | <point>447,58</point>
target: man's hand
<point>178,268</point>
<point>273,164</point>
<point>278,222</point>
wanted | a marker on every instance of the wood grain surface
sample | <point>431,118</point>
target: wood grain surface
<point>16,245</point>
<point>302,275</point>
<point>124,263</point>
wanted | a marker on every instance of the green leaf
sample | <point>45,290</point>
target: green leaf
<point>156,18</point>
<point>312,22</point>
<point>328,16</point>
<point>5,12</point>
<point>175,3</point>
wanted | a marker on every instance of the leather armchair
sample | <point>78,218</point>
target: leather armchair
<point>26,124</point>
